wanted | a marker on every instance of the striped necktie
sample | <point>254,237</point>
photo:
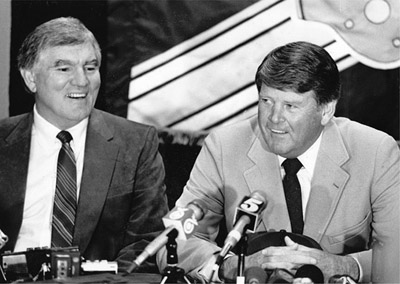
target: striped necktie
<point>291,186</point>
<point>65,200</point>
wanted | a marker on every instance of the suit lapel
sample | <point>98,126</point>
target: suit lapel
<point>264,175</point>
<point>14,153</point>
<point>100,157</point>
<point>328,183</point>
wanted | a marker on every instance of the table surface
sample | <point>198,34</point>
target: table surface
<point>144,278</point>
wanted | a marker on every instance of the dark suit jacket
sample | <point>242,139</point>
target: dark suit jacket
<point>353,204</point>
<point>122,196</point>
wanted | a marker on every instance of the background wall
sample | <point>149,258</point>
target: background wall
<point>27,14</point>
<point>132,33</point>
<point>5,31</point>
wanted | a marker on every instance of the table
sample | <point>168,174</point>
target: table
<point>143,278</point>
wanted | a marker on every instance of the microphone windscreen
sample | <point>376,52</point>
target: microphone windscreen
<point>251,206</point>
<point>310,271</point>
<point>255,275</point>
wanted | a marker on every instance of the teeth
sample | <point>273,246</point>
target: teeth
<point>76,95</point>
<point>277,131</point>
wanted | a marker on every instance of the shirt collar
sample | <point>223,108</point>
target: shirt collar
<point>46,130</point>
<point>309,157</point>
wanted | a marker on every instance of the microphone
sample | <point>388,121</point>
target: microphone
<point>3,239</point>
<point>340,279</point>
<point>310,271</point>
<point>184,219</point>
<point>180,220</point>
<point>246,218</point>
<point>255,275</point>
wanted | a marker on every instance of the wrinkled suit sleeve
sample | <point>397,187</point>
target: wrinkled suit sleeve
<point>150,205</point>
<point>385,200</point>
<point>381,263</point>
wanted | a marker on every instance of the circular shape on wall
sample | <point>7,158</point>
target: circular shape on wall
<point>349,24</point>
<point>396,42</point>
<point>377,11</point>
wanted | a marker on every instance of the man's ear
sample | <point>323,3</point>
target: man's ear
<point>328,110</point>
<point>29,79</point>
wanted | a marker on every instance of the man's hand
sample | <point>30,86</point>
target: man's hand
<point>330,264</point>
<point>291,257</point>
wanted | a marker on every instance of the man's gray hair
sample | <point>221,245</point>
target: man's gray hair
<point>57,32</point>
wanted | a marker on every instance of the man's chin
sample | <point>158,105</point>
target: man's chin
<point>281,151</point>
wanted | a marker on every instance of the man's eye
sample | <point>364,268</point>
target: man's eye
<point>267,102</point>
<point>290,106</point>
<point>91,68</point>
<point>63,69</point>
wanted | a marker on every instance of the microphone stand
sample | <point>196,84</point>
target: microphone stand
<point>241,259</point>
<point>172,273</point>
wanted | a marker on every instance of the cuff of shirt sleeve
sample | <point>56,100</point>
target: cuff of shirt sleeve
<point>360,270</point>
<point>210,272</point>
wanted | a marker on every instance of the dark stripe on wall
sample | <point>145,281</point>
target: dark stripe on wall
<point>206,41</point>
<point>230,117</point>
<point>211,104</point>
<point>219,56</point>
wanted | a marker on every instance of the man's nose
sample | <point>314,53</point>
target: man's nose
<point>276,115</point>
<point>80,78</point>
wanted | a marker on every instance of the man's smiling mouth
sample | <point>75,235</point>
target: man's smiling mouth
<point>77,95</point>
<point>276,131</point>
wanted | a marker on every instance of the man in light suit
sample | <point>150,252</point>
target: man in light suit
<point>349,177</point>
<point>120,174</point>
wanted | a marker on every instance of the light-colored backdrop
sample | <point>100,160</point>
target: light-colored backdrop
<point>5,28</point>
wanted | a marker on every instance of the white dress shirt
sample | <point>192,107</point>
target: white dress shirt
<point>41,181</point>
<point>306,172</point>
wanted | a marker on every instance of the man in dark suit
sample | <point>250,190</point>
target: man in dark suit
<point>348,178</point>
<point>120,192</point>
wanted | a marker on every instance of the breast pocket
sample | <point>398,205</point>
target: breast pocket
<point>351,239</point>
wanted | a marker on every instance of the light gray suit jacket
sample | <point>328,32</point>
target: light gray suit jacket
<point>354,200</point>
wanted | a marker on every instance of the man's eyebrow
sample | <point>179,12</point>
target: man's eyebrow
<point>93,61</point>
<point>294,100</point>
<point>61,62</point>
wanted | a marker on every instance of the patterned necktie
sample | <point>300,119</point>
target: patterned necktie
<point>291,186</point>
<point>65,200</point>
